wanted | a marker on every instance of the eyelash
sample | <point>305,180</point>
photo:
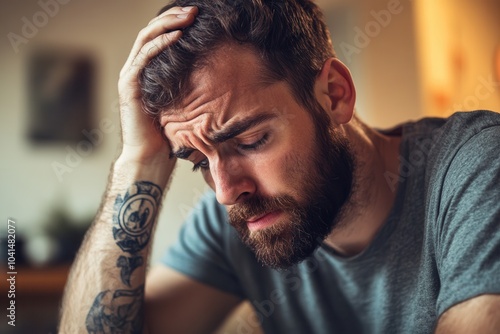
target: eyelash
<point>251,147</point>
<point>199,165</point>
<point>254,146</point>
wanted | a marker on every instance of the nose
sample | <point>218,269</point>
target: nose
<point>231,182</point>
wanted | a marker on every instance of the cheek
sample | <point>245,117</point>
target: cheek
<point>298,170</point>
<point>271,172</point>
<point>298,173</point>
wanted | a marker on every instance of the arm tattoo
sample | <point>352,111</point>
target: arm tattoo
<point>118,312</point>
<point>127,265</point>
<point>134,216</point>
<point>133,220</point>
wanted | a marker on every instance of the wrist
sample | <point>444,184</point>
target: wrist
<point>132,167</point>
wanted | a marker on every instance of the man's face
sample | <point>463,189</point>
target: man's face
<point>282,175</point>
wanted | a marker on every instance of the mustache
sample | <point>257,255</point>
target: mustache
<point>259,205</point>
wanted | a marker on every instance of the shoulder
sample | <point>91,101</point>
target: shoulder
<point>446,141</point>
<point>430,145</point>
<point>462,164</point>
<point>463,205</point>
<point>472,128</point>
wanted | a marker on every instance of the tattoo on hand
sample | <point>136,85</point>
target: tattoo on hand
<point>119,312</point>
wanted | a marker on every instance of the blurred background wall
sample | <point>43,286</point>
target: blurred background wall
<point>409,59</point>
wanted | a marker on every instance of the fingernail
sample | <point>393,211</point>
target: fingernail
<point>187,9</point>
<point>182,16</point>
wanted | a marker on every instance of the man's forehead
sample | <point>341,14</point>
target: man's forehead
<point>231,66</point>
<point>231,72</point>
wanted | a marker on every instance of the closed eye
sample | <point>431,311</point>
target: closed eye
<point>203,165</point>
<point>254,146</point>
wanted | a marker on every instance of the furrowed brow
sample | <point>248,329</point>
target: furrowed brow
<point>181,153</point>
<point>224,135</point>
<point>239,127</point>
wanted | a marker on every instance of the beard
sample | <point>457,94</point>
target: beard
<point>326,185</point>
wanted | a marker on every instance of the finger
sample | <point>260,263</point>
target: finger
<point>177,11</point>
<point>152,48</point>
<point>167,23</point>
<point>148,52</point>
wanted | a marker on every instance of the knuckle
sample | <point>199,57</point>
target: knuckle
<point>148,49</point>
<point>166,38</point>
<point>143,35</point>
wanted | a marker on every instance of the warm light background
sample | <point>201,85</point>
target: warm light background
<point>426,58</point>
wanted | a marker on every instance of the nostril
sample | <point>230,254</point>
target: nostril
<point>244,195</point>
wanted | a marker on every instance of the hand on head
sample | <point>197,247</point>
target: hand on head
<point>142,142</point>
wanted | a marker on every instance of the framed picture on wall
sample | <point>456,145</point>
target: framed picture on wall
<point>60,93</point>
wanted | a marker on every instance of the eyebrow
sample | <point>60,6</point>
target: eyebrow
<point>223,135</point>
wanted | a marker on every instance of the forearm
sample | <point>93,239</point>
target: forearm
<point>105,289</point>
<point>480,314</point>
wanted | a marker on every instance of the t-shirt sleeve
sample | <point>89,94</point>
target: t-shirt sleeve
<point>468,235</point>
<point>201,250</point>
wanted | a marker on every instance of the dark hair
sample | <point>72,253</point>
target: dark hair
<point>290,36</point>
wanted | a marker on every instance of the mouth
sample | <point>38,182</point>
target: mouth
<point>263,221</point>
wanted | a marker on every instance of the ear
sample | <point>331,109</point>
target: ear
<point>335,91</point>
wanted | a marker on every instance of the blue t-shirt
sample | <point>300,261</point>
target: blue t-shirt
<point>439,246</point>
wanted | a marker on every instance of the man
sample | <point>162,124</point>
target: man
<point>325,224</point>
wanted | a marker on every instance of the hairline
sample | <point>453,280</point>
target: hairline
<point>265,73</point>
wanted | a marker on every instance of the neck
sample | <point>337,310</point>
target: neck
<point>372,197</point>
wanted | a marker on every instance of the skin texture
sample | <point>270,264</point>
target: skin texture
<point>476,315</point>
<point>107,289</point>
<point>207,114</point>
<point>303,181</point>
<point>235,175</point>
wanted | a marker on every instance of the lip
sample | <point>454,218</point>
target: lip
<point>261,222</point>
